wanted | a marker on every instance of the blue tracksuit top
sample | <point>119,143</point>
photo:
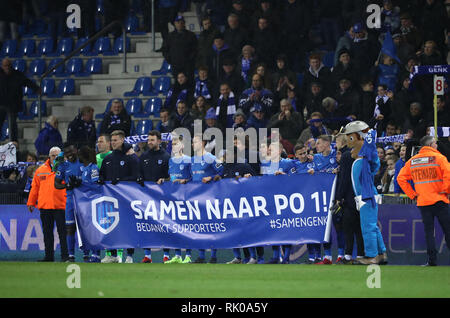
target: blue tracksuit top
<point>205,166</point>
<point>325,164</point>
<point>90,174</point>
<point>180,168</point>
<point>284,165</point>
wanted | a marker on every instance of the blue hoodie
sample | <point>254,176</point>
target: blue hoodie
<point>48,137</point>
<point>370,166</point>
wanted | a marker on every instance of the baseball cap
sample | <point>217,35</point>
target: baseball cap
<point>211,114</point>
<point>179,18</point>
<point>358,27</point>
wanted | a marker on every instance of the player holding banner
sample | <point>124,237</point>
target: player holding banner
<point>179,171</point>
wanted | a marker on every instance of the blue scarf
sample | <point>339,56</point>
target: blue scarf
<point>370,158</point>
<point>201,89</point>
<point>231,109</point>
<point>245,65</point>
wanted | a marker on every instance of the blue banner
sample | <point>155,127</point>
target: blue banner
<point>229,213</point>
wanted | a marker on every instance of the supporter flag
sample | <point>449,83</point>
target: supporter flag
<point>389,48</point>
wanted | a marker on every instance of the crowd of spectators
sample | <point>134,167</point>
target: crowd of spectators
<point>261,64</point>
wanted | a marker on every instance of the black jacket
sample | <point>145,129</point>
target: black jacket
<point>154,165</point>
<point>231,170</point>
<point>82,133</point>
<point>122,122</point>
<point>11,89</point>
<point>180,48</point>
<point>344,186</point>
<point>119,165</point>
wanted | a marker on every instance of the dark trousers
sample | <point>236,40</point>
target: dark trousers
<point>12,123</point>
<point>441,211</point>
<point>352,231</point>
<point>49,218</point>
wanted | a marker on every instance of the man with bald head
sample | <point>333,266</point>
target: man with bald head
<point>11,94</point>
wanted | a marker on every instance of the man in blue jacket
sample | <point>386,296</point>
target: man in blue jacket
<point>48,137</point>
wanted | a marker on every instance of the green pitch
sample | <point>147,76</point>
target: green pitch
<point>29,279</point>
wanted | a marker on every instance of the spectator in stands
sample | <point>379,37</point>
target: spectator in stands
<point>317,72</point>
<point>200,10</point>
<point>296,19</point>
<point>434,22</point>
<point>382,111</point>
<point>246,62</point>
<point>387,72</point>
<point>347,98</point>
<point>48,137</point>
<point>380,173</point>
<point>265,42</point>
<point>364,49</point>
<point>443,114</point>
<point>204,86</point>
<point>315,129</point>
<point>239,8</point>
<point>410,33</point>
<point>11,94</point>
<point>180,49</point>
<point>344,68</point>
<point>402,99</point>
<point>257,94</point>
<point>205,41</point>
<point>218,52</point>
<point>312,101</point>
<point>265,73</point>
<point>31,157</point>
<point>199,108</point>
<point>257,117</point>
<point>367,100</point>
<point>266,10</point>
<point>330,111</point>
<point>166,13</point>
<point>387,181</point>
<point>404,49</point>
<point>235,35</point>
<point>116,119</point>
<point>231,76</point>
<point>239,120</point>
<point>165,125</point>
<point>415,120</point>
<point>181,117</point>
<point>283,78</point>
<point>398,166</point>
<point>430,55</point>
<point>218,11</point>
<point>51,203</point>
<point>181,90</point>
<point>345,42</point>
<point>390,17</point>
<point>81,130</point>
<point>288,121</point>
<point>226,106</point>
<point>294,100</point>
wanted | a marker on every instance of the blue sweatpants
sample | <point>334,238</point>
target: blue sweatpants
<point>373,241</point>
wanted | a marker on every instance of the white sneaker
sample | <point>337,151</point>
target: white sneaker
<point>252,261</point>
<point>119,259</point>
<point>129,260</point>
<point>110,259</point>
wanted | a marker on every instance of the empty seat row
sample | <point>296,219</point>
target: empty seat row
<point>144,86</point>
<point>74,66</point>
<point>27,47</point>
<point>135,107</point>
<point>51,90</point>
<point>33,110</point>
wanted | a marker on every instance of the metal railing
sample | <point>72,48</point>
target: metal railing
<point>78,49</point>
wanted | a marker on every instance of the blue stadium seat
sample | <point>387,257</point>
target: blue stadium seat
<point>143,127</point>
<point>22,115</point>
<point>142,86</point>
<point>66,87</point>
<point>28,92</point>
<point>36,68</point>
<point>9,48</point>
<point>134,106</point>
<point>132,25</point>
<point>165,68</point>
<point>59,71</point>
<point>74,66</point>
<point>162,85</point>
<point>86,50</point>
<point>92,66</point>
<point>27,48</point>
<point>118,45</point>
<point>45,47</point>
<point>19,65</point>
<point>328,59</point>
<point>65,46</point>
<point>152,107</point>
<point>34,109</point>
<point>48,87</point>
<point>108,107</point>
<point>102,46</point>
